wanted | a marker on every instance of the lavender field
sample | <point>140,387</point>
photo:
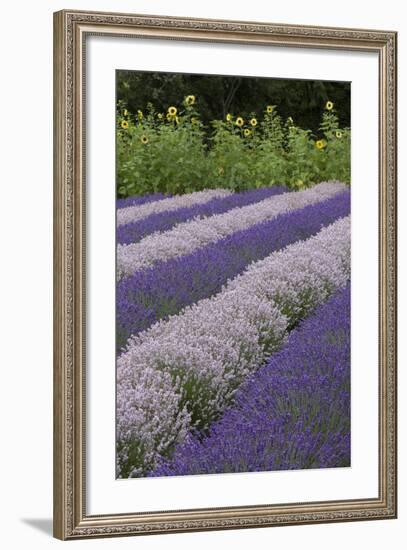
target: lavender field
<point>233,331</point>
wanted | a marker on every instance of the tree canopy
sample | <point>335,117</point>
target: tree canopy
<point>303,100</point>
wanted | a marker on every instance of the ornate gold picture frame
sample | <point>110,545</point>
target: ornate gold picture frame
<point>71,31</point>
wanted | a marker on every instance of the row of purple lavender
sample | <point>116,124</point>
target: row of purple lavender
<point>139,200</point>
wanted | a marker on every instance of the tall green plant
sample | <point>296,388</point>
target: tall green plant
<point>173,152</point>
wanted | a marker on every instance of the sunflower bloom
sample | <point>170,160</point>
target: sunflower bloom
<point>124,124</point>
<point>172,111</point>
<point>338,134</point>
<point>253,122</point>
<point>125,112</point>
<point>329,105</point>
<point>239,121</point>
<point>190,100</point>
<point>247,132</point>
<point>144,139</point>
<point>270,108</point>
<point>320,144</point>
<point>229,117</point>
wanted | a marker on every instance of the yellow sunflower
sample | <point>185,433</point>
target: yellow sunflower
<point>172,111</point>
<point>229,117</point>
<point>270,108</point>
<point>144,139</point>
<point>125,112</point>
<point>190,100</point>
<point>338,134</point>
<point>124,124</point>
<point>247,132</point>
<point>329,105</point>
<point>253,121</point>
<point>320,144</point>
<point>239,121</point>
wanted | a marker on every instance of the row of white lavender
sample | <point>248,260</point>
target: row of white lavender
<point>186,237</point>
<point>182,372</point>
<point>138,212</point>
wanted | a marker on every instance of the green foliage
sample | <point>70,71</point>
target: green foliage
<point>218,95</point>
<point>173,152</point>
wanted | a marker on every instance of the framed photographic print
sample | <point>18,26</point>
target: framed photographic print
<point>225,274</point>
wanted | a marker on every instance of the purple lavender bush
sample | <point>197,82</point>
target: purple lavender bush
<point>162,221</point>
<point>161,291</point>
<point>139,200</point>
<point>293,413</point>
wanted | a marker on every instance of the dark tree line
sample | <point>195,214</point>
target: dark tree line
<point>303,100</point>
